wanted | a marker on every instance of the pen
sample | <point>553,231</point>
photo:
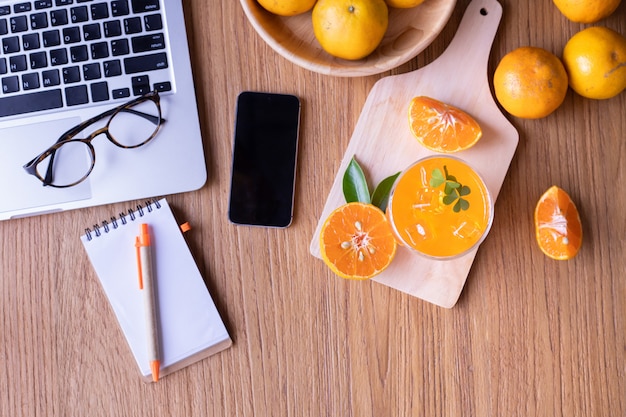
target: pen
<point>146,285</point>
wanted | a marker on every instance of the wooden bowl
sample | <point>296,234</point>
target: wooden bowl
<point>410,31</point>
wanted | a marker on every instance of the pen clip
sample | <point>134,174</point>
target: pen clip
<point>137,247</point>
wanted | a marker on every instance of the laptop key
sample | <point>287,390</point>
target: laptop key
<point>11,45</point>
<point>58,56</point>
<point>153,22</point>
<point>91,71</point>
<point>38,60</point>
<point>58,17</point>
<point>79,14</point>
<point>132,25</point>
<point>145,5</point>
<point>99,50</point>
<point>148,43</point>
<point>119,8</point>
<point>141,85</point>
<point>10,84</point>
<point>91,32</point>
<point>22,7</point>
<point>18,24</point>
<point>18,63</point>
<point>119,47</point>
<point>31,102</point>
<point>30,81</point>
<point>99,11</point>
<point>76,95</point>
<point>3,65</point>
<point>163,87</point>
<point>71,75</point>
<point>51,78</point>
<point>121,93</point>
<point>39,20</point>
<point>112,68</point>
<point>30,41</point>
<point>51,38</point>
<point>79,53</point>
<point>71,34</point>
<point>145,63</point>
<point>99,91</point>
<point>112,28</point>
<point>4,28</point>
<point>43,4</point>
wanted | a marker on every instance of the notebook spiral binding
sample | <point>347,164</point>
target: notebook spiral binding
<point>124,217</point>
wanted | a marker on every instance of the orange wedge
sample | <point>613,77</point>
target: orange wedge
<point>357,242</point>
<point>558,228</point>
<point>441,127</point>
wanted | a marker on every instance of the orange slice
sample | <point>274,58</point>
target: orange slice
<point>441,127</point>
<point>357,242</point>
<point>558,228</point>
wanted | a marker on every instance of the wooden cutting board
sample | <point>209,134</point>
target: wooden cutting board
<point>383,143</point>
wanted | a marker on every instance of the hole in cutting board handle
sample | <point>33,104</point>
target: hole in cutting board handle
<point>484,12</point>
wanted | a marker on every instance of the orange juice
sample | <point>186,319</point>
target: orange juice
<point>440,207</point>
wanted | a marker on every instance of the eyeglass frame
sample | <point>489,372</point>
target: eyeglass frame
<point>68,137</point>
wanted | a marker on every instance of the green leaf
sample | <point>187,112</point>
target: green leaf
<point>380,197</point>
<point>450,187</point>
<point>436,178</point>
<point>355,185</point>
<point>465,190</point>
<point>464,204</point>
<point>449,199</point>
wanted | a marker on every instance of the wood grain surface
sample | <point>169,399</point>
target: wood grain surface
<point>528,337</point>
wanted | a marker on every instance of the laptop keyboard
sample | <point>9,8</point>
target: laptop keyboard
<point>75,53</point>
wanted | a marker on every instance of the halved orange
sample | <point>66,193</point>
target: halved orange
<point>357,242</point>
<point>558,228</point>
<point>441,127</point>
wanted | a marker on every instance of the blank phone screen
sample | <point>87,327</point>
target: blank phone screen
<point>264,159</point>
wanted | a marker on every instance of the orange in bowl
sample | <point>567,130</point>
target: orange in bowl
<point>409,32</point>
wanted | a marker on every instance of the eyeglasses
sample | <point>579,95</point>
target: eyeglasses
<point>130,125</point>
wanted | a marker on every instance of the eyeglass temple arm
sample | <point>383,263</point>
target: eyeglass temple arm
<point>81,126</point>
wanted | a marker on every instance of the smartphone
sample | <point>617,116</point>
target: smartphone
<point>265,152</point>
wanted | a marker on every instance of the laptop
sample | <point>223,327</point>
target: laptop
<point>65,61</point>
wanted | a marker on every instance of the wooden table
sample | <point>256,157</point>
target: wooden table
<point>529,336</point>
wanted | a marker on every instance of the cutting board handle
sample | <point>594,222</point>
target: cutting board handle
<point>470,48</point>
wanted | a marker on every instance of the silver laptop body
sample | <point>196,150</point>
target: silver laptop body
<point>155,55</point>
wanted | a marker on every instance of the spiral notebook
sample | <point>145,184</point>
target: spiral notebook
<point>190,326</point>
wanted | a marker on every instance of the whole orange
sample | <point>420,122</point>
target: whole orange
<point>350,29</point>
<point>530,82</point>
<point>287,7</point>
<point>403,4</point>
<point>586,11</point>
<point>595,60</point>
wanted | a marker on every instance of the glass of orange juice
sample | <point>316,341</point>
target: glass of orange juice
<point>440,207</point>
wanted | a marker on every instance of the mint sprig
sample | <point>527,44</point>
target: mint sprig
<point>454,191</point>
<point>355,188</point>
